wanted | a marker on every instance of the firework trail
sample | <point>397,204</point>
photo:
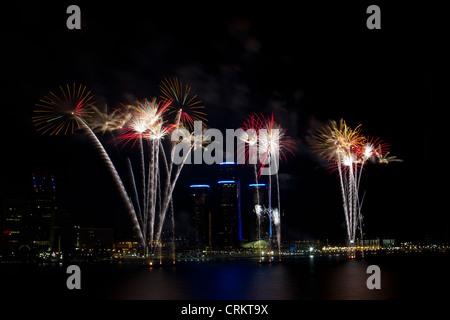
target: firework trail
<point>128,202</point>
<point>249,135</point>
<point>258,211</point>
<point>135,191</point>
<point>61,113</point>
<point>338,144</point>
<point>192,143</point>
<point>273,142</point>
<point>131,132</point>
<point>145,123</point>
<point>141,124</point>
<point>185,108</point>
<point>348,150</point>
<point>266,135</point>
<point>171,205</point>
<point>275,212</point>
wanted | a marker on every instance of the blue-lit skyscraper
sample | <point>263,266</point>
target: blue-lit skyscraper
<point>227,214</point>
<point>200,233</point>
<point>40,220</point>
<point>252,229</point>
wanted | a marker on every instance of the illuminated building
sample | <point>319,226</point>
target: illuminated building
<point>27,222</point>
<point>227,216</point>
<point>11,224</point>
<point>95,239</point>
<point>223,214</point>
<point>40,218</point>
<point>200,231</point>
<point>227,170</point>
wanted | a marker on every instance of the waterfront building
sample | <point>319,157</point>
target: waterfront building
<point>200,228</point>
<point>39,220</point>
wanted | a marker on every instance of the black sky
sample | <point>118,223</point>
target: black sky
<point>304,63</point>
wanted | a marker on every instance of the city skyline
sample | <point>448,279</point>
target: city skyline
<point>242,65</point>
<point>58,227</point>
<point>36,223</point>
<point>97,201</point>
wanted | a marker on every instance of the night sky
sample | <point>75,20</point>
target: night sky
<point>306,64</point>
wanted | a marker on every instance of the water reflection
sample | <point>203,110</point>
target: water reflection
<point>215,280</point>
<point>308,278</point>
<point>316,277</point>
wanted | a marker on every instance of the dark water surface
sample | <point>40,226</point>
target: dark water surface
<point>405,276</point>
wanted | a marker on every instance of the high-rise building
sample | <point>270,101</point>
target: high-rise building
<point>200,229</point>
<point>95,239</point>
<point>40,217</point>
<point>227,171</point>
<point>11,223</point>
<point>223,214</point>
<point>227,216</point>
<point>65,233</point>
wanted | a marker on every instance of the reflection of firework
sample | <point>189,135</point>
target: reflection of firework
<point>62,112</point>
<point>185,106</point>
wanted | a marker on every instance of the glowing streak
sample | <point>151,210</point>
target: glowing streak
<point>135,192</point>
<point>348,150</point>
<point>139,123</point>
<point>64,111</point>
<point>117,180</point>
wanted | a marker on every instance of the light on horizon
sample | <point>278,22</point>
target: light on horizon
<point>257,185</point>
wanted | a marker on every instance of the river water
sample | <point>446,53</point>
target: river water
<point>404,276</point>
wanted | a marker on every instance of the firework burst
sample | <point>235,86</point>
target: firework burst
<point>63,111</point>
<point>273,141</point>
<point>142,123</point>
<point>145,121</point>
<point>373,148</point>
<point>103,122</point>
<point>66,110</point>
<point>348,150</point>
<point>264,136</point>
<point>338,141</point>
<point>249,136</point>
<point>185,106</point>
